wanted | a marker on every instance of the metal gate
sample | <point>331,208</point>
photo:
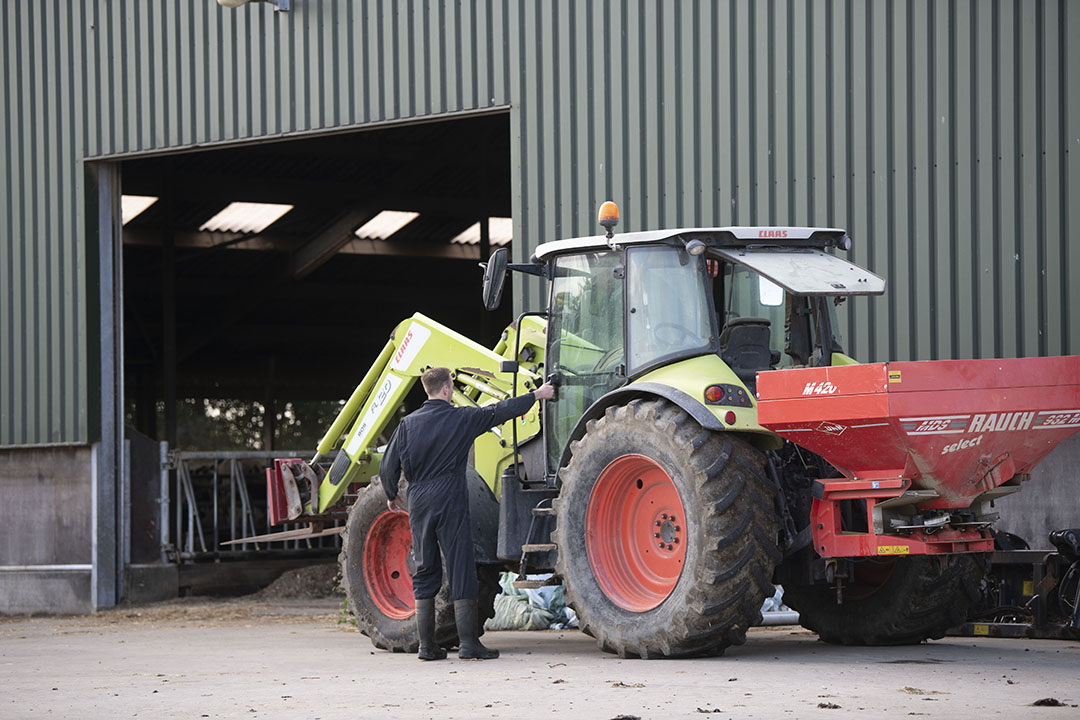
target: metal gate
<point>212,497</point>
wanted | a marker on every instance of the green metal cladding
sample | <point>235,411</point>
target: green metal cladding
<point>944,135</point>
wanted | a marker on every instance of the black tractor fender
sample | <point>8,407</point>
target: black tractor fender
<point>626,393</point>
<point>484,516</point>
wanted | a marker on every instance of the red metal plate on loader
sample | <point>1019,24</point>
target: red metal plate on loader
<point>275,491</point>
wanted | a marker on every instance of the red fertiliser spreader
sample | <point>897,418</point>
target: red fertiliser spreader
<point>926,445</point>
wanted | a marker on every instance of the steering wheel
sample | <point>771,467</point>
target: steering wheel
<point>608,360</point>
<point>684,333</point>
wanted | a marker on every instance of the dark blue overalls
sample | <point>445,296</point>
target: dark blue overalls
<point>432,445</point>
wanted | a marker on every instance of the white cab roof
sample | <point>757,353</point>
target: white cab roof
<point>763,234</point>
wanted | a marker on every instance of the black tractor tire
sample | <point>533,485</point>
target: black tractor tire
<point>730,534</point>
<point>381,615</point>
<point>916,599</point>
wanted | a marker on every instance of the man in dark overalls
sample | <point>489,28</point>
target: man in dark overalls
<point>432,446</point>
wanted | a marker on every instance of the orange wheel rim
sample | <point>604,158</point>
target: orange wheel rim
<point>635,533</point>
<point>386,565</point>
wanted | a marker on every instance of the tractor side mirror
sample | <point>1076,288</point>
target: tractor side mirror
<point>494,277</point>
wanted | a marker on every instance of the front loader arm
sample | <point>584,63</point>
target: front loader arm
<point>416,345</point>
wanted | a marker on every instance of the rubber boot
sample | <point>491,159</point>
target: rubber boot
<point>468,630</point>
<point>425,628</point>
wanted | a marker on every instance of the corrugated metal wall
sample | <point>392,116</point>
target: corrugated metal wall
<point>943,135</point>
<point>107,78</point>
<point>44,274</point>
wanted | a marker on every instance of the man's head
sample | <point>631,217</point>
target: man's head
<point>437,383</point>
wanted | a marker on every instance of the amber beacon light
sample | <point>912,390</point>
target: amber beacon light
<point>608,216</point>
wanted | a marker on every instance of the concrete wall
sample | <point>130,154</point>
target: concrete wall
<point>1050,501</point>
<point>46,543</point>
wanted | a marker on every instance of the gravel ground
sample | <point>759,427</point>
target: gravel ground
<point>253,658</point>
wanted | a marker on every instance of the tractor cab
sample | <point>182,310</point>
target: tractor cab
<point>684,313</point>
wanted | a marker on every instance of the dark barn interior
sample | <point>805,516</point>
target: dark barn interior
<point>297,310</point>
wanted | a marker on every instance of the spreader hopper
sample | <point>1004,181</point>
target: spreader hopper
<point>929,435</point>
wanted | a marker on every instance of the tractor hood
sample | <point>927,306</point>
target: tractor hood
<point>805,271</point>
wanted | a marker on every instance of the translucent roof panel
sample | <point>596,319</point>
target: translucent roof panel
<point>385,224</point>
<point>131,206</point>
<point>500,229</point>
<point>807,272</point>
<point>246,217</point>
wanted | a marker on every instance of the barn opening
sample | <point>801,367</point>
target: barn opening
<point>261,281</point>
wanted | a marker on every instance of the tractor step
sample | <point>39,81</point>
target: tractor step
<point>541,487</point>
<point>538,547</point>
<point>534,584</point>
<point>543,511</point>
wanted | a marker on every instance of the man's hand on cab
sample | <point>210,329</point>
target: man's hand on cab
<point>544,392</point>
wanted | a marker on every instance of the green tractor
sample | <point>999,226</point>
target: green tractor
<point>648,485</point>
<point>668,526</point>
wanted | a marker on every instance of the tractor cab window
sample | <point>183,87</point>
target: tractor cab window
<point>669,315</point>
<point>747,296</point>
<point>757,314</point>
<point>585,339</point>
<point>752,320</point>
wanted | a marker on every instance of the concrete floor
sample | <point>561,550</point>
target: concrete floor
<point>247,660</point>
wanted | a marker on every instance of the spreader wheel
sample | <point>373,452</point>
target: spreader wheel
<point>899,601</point>
<point>666,532</point>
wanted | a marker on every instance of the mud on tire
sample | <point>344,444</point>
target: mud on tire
<point>730,534</point>
<point>900,602</point>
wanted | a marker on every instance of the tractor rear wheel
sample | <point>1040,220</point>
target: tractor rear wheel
<point>667,533</point>
<point>892,602</point>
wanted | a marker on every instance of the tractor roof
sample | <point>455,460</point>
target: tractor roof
<point>741,236</point>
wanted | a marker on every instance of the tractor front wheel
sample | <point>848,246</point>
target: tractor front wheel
<point>667,533</point>
<point>892,602</point>
<point>376,570</point>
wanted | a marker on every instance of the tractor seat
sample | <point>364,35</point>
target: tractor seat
<point>744,346</point>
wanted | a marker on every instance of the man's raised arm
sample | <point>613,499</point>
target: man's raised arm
<point>490,416</point>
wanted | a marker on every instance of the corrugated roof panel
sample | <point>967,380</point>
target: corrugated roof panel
<point>246,217</point>
<point>385,224</point>
<point>131,206</point>
<point>500,232</point>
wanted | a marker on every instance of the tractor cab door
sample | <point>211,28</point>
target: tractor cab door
<point>585,340</point>
<point>616,315</point>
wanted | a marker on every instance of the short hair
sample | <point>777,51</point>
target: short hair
<point>435,379</point>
